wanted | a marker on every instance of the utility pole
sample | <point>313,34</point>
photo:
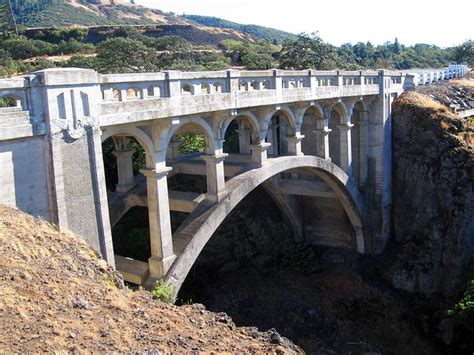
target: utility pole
<point>12,14</point>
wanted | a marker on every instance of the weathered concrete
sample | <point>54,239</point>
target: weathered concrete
<point>51,153</point>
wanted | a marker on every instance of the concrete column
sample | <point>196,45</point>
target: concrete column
<point>277,83</point>
<point>340,79</point>
<point>173,151</point>
<point>162,254</point>
<point>215,176</point>
<point>259,153</point>
<point>294,144</point>
<point>345,148</point>
<point>244,140</point>
<point>126,179</point>
<point>363,153</point>
<point>361,78</point>
<point>272,137</point>
<point>322,142</point>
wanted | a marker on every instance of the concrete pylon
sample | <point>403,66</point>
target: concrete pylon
<point>322,142</point>
<point>215,176</point>
<point>294,144</point>
<point>259,153</point>
<point>345,146</point>
<point>126,179</point>
<point>162,254</point>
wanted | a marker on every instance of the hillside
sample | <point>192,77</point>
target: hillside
<point>60,13</point>
<point>256,31</point>
<point>56,295</point>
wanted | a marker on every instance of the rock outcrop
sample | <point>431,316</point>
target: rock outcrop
<point>433,200</point>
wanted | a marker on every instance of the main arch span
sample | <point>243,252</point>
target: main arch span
<point>200,225</point>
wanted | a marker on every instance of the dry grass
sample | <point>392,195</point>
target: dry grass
<point>424,101</point>
<point>466,83</point>
<point>56,296</point>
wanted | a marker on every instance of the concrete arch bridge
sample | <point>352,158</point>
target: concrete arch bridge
<point>319,142</point>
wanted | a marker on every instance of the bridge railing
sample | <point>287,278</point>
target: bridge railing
<point>428,76</point>
<point>17,91</point>
<point>126,87</point>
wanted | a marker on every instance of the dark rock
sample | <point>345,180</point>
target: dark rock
<point>81,303</point>
<point>433,204</point>
<point>446,328</point>
<point>275,338</point>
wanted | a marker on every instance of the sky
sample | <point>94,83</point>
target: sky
<point>444,23</point>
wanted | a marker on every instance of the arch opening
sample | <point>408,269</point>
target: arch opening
<point>280,127</point>
<point>312,142</point>
<point>10,101</point>
<point>336,119</point>
<point>123,158</point>
<point>359,144</point>
<point>197,234</point>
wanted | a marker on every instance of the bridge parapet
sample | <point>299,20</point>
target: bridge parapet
<point>17,119</point>
<point>133,97</point>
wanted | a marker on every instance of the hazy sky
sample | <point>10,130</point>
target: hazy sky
<point>444,23</point>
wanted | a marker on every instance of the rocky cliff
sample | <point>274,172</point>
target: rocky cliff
<point>433,200</point>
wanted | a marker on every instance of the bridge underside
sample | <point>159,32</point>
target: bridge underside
<point>315,197</point>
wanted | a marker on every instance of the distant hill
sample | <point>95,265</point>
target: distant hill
<point>59,13</point>
<point>256,31</point>
<point>90,13</point>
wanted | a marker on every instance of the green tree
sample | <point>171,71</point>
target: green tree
<point>7,18</point>
<point>464,53</point>
<point>123,55</point>
<point>21,47</point>
<point>257,61</point>
<point>307,51</point>
<point>171,44</point>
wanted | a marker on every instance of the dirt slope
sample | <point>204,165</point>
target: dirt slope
<point>56,295</point>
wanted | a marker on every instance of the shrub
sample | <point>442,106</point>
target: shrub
<point>463,313</point>
<point>164,292</point>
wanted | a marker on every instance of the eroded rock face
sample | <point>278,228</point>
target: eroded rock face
<point>433,200</point>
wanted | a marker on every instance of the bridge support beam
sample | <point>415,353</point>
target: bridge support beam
<point>345,147</point>
<point>363,152</point>
<point>259,153</point>
<point>162,255</point>
<point>294,144</point>
<point>126,179</point>
<point>322,143</point>
<point>244,140</point>
<point>173,150</point>
<point>215,176</point>
<point>272,138</point>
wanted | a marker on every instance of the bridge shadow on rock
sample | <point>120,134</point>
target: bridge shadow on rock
<point>253,269</point>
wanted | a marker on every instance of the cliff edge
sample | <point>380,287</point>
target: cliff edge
<point>433,200</point>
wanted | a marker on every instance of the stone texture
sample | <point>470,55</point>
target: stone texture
<point>433,201</point>
<point>23,175</point>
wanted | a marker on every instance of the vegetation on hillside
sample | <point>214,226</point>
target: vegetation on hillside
<point>49,13</point>
<point>129,50</point>
<point>183,47</point>
<point>256,31</point>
